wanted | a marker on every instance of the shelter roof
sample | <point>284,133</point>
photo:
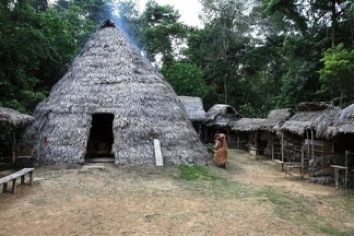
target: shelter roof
<point>222,115</point>
<point>12,117</point>
<point>194,108</point>
<point>276,119</point>
<point>248,124</point>
<point>343,123</point>
<point>315,116</point>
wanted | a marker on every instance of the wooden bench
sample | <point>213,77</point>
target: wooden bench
<point>279,162</point>
<point>21,173</point>
<point>289,169</point>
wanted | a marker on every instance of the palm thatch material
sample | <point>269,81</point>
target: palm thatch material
<point>248,124</point>
<point>111,77</point>
<point>194,108</point>
<point>310,117</point>
<point>277,118</point>
<point>221,115</point>
<point>343,123</point>
<point>12,117</point>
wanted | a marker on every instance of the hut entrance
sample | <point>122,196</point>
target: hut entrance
<point>101,136</point>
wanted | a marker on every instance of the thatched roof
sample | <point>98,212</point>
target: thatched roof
<point>276,119</point>
<point>194,108</point>
<point>12,117</point>
<point>221,115</point>
<point>110,76</point>
<point>342,124</point>
<point>248,124</point>
<point>310,116</point>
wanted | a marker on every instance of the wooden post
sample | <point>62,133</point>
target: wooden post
<point>346,169</point>
<point>14,146</point>
<point>272,149</point>
<point>31,178</point>
<point>238,142</point>
<point>282,146</point>
<point>13,186</point>
<point>312,142</point>
<point>4,187</point>
<point>336,177</point>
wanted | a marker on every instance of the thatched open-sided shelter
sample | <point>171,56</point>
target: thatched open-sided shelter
<point>220,118</point>
<point>247,133</point>
<point>261,132</point>
<point>11,119</point>
<point>14,118</point>
<point>299,135</point>
<point>341,130</point>
<point>276,118</point>
<point>306,118</point>
<point>195,111</point>
<point>112,102</point>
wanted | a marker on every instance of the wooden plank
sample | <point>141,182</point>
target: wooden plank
<point>21,173</point>
<point>158,153</point>
<point>278,161</point>
<point>339,167</point>
<point>16,175</point>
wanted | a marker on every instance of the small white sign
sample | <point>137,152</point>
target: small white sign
<point>158,153</point>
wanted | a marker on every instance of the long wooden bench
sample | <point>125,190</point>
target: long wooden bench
<point>21,173</point>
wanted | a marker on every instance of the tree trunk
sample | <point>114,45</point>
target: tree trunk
<point>334,22</point>
<point>225,88</point>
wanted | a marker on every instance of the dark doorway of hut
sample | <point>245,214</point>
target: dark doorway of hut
<point>99,147</point>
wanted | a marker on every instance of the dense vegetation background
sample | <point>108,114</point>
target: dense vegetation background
<point>254,55</point>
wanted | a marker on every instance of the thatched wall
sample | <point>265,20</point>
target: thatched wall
<point>110,76</point>
<point>194,108</point>
<point>12,117</point>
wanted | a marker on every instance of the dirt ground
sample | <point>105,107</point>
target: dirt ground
<point>251,197</point>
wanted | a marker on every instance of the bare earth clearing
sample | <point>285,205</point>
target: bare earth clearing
<point>251,198</point>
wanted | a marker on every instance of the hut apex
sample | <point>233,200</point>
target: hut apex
<point>113,103</point>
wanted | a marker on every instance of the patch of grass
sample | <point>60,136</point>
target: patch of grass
<point>327,229</point>
<point>274,196</point>
<point>196,172</point>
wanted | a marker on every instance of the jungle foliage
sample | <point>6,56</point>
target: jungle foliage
<point>255,55</point>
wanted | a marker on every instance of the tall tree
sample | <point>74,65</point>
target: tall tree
<point>162,33</point>
<point>35,45</point>
<point>186,79</point>
<point>338,73</point>
<point>220,46</point>
<point>311,14</point>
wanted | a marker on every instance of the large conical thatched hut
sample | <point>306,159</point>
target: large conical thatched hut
<point>112,102</point>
